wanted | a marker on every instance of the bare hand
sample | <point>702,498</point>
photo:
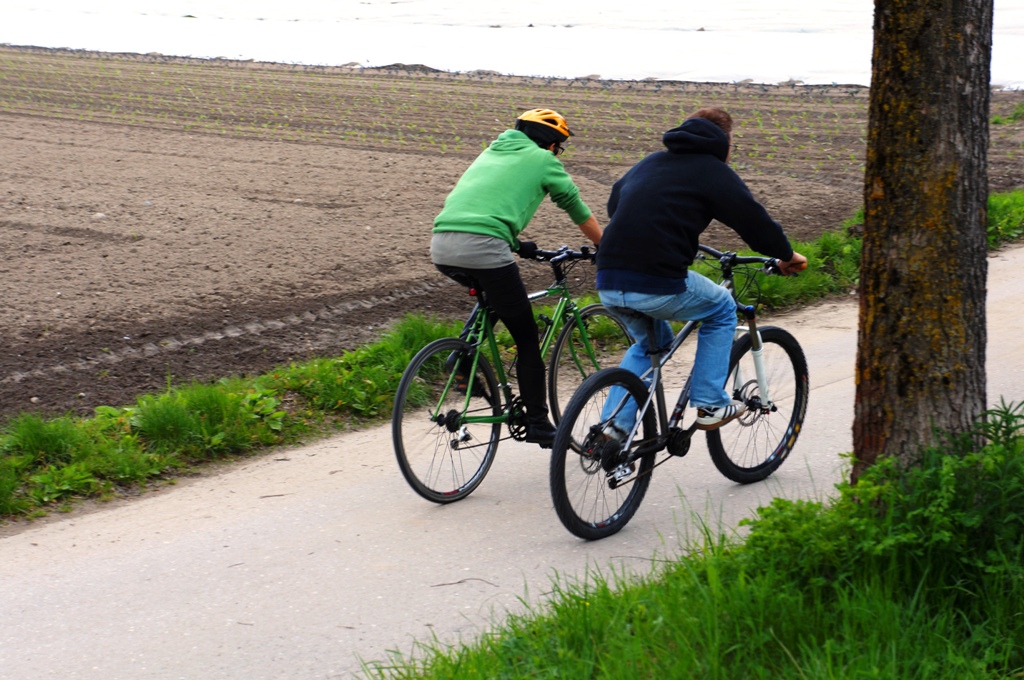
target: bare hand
<point>797,263</point>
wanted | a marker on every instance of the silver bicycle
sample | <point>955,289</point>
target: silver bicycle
<point>598,482</point>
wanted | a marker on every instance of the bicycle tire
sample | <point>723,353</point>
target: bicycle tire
<point>753,446</point>
<point>586,503</point>
<point>438,462</point>
<point>571,363</point>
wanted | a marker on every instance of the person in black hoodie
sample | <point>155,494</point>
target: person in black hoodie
<point>658,211</point>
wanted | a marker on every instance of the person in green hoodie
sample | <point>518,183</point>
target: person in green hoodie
<point>478,229</point>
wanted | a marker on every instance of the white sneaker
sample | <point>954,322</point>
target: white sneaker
<point>614,433</point>
<point>713,417</point>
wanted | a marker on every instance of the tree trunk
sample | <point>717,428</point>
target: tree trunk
<point>921,342</point>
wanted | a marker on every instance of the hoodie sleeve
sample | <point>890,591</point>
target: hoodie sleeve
<point>564,192</point>
<point>735,206</point>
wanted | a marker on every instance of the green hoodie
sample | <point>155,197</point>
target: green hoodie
<point>500,192</point>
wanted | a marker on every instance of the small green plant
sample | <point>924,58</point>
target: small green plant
<point>124,461</point>
<point>261,404</point>
<point>12,478</point>
<point>163,422</point>
<point>204,421</point>
<point>1014,116</point>
<point>46,442</point>
<point>1005,217</point>
<point>55,483</point>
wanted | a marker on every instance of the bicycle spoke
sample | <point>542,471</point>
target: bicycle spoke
<point>754,445</point>
<point>594,489</point>
<point>579,352</point>
<point>442,455</point>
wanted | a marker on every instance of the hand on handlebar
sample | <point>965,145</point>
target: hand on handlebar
<point>796,264</point>
<point>527,250</point>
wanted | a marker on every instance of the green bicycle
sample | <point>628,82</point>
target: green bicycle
<point>456,393</point>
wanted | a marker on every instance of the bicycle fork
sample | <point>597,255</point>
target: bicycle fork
<point>740,384</point>
<point>757,354</point>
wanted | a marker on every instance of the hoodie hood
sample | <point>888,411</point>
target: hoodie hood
<point>698,135</point>
<point>513,140</point>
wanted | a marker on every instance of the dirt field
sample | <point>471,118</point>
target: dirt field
<point>163,220</point>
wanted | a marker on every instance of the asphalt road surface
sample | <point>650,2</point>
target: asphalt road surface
<point>301,563</point>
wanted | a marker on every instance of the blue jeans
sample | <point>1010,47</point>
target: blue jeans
<point>704,301</point>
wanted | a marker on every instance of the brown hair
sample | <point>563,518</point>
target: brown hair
<point>717,116</point>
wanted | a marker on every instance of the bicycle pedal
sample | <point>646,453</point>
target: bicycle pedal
<point>622,473</point>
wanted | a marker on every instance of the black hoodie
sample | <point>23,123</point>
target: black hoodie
<point>660,207</point>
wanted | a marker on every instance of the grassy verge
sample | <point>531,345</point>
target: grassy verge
<point>910,574</point>
<point>47,464</point>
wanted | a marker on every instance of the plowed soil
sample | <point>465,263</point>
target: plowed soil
<point>164,219</point>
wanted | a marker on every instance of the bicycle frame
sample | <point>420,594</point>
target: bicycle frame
<point>479,333</point>
<point>670,424</point>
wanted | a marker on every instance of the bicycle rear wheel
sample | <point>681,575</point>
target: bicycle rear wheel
<point>754,445</point>
<point>571,360</point>
<point>443,457</point>
<point>594,490</point>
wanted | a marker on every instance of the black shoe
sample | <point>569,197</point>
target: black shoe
<point>540,432</point>
<point>452,359</point>
<point>462,384</point>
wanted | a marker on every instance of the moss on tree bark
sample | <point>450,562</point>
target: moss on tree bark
<point>921,351</point>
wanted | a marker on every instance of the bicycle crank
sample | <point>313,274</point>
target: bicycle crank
<point>679,441</point>
<point>516,420</point>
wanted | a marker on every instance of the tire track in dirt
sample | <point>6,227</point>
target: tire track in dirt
<point>350,322</point>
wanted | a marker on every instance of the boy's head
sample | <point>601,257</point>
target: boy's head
<point>717,116</point>
<point>544,126</point>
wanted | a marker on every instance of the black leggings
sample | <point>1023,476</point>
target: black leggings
<point>506,295</point>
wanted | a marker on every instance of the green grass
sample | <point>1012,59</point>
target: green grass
<point>362,383</point>
<point>44,463</point>
<point>1005,216</point>
<point>909,574</point>
<point>1014,116</point>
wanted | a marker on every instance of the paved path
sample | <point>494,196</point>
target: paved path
<point>299,563</point>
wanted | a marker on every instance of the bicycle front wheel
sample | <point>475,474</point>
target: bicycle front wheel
<point>442,456</point>
<point>754,445</point>
<point>595,487</point>
<point>599,341</point>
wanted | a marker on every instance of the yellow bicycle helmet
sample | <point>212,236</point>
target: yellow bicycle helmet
<point>549,118</point>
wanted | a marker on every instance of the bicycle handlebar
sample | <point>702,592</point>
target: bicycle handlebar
<point>565,254</point>
<point>770,265</point>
